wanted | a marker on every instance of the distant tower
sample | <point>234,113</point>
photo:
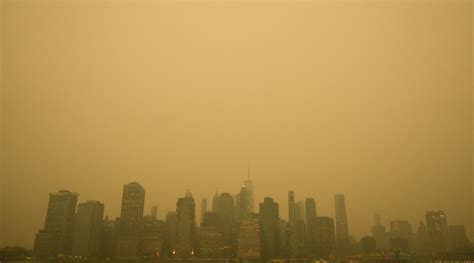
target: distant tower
<point>291,208</point>
<point>211,241</point>
<point>310,207</point>
<point>88,228</point>
<point>154,212</point>
<point>437,225</point>
<point>203,207</point>
<point>296,228</point>
<point>342,229</point>
<point>250,191</point>
<point>225,210</point>
<point>324,237</point>
<point>186,226</point>
<point>300,212</point>
<point>269,222</point>
<point>242,204</point>
<point>56,237</point>
<point>248,239</point>
<point>170,233</point>
<point>215,201</point>
<point>379,233</point>
<point>131,220</point>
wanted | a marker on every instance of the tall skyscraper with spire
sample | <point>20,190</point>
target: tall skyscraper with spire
<point>130,221</point>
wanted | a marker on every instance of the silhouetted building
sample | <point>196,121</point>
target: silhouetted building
<point>458,237</point>
<point>152,237</point>
<point>283,238</point>
<point>437,225</point>
<point>154,212</point>
<point>170,233</point>
<point>296,227</point>
<point>186,226</point>
<point>108,238</point>
<point>269,227</point>
<point>56,237</point>
<point>367,244</point>
<point>401,229</point>
<point>324,237</point>
<point>203,207</point>
<point>248,239</point>
<point>130,222</point>
<point>242,204</point>
<point>399,243</point>
<point>300,212</point>
<point>380,234</point>
<point>250,194</point>
<point>298,238</point>
<point>291,208</point>
<point>422,240</point>
<point>211,238</point>
<point>342,229</point>
<point>88,229</point>
<point>225,210</point>
<point>215,200</point>
<point>310,207</point>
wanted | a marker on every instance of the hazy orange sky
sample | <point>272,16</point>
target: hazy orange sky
<point>367,98</point>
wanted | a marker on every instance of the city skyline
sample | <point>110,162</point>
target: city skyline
<point>370,99</point>
<point>231,231</point>
<point>387,222</point>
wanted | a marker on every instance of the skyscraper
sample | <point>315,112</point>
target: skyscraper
<point>291,208</point>
<point>458,237</point>
<point>401,234</point>
<point>186,226</point>
<point>154,212</point>
<point>215,200</point>
<point>401,228</point>
<point>170,233</point>
<point>310,207</point>
<point>269,226</point>
<point>56,237</point>
<point>242,204</point>
<point>211,238</point>
<point>152,237</point>
<point>248,239</point>
<point>130,221</point>
<point>203,207</point>
<point>324,237</point>
<point>296,228</point>
<point>437,225</point>
<point>342,229</point>
<point>108,238</point>
<point>225,211</point>
<point>283,238</point>
<point>300,211</point>
<point>88,229</point>
<point>379,233</point>
<point>250,193</point>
